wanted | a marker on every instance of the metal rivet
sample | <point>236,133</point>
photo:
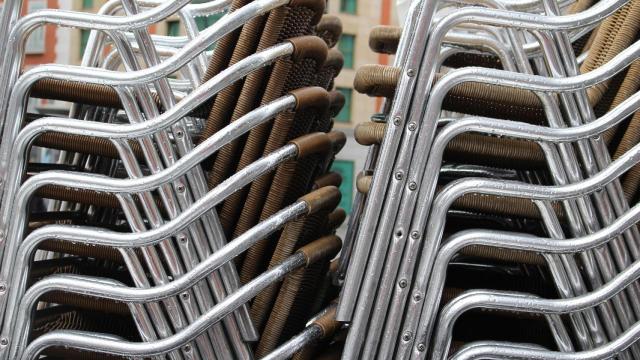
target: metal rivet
<point>180,188</point>
<point>415,234</point>
<point>399,175</point>
<point>182,238</point>
<point>3,288</point>
<point>179,134</point>
<point>412,126</point>
<point>421,347</point>
<point>417,297</point>
<point>186,348</point>
<point>403,283</point>
<point>397,120</point>
<point>411,72</point>
<point>406,336</point>
<point>4,341</point>
<point>413,186</point>
<point>185,296</point>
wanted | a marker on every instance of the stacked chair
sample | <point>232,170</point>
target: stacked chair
<point>496,214</point>
<point>185,208</point>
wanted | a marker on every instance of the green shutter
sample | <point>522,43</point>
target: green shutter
<point>345,169</point>
<point>214,18</point>
<point>346,47</point>
<point>349,6</point>
<point>84,39</point>
<point>87,4</point>
<point>345,114</point>
<point>173,28</point>
<point>204,22</point>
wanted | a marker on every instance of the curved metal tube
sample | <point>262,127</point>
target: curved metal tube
<point>539,83</point>
<point>88,342</point>
<point>471,347</point>
<point>498,350</point>
<point>521,131</point>
<point>506,188</point>
<point>98,236</point>
<point>513,301</point>
<point>119,131</point>
<point>287,350</point>
<point>188,16</point>
<point>116,291</point>
<point>141,184</point>
<point>509,240</point>
<point>498,77</point>
<point>105,77</point>
<point>96,39</point>
<point>515,5</point>
<point>229,133</point>
<point>19,31</point>
<point>98,22</point>
<point>12,9</point>
<point>401,104</point>
<point>5,199</point>
<point>115,239</point>
<point>199,44</point>
<point>174,114</point>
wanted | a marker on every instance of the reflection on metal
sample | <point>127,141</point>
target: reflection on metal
<point>178,159</point>
<point>500,193</point>
<point>191,207</point>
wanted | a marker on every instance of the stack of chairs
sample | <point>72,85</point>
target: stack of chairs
<point>185,208</point>
<point>496,214</point>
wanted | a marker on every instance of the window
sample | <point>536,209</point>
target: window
<point>349,6</point>
<point>345,169</point>
<point>35,42</point>
<point>346,47</point>
<point>173,28</point>
<point>84,39</point>
<point>345,114</point>
<point>204,22</point>
<point>87,4</point>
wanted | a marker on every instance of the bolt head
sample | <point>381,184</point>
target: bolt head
<point>406,336</point>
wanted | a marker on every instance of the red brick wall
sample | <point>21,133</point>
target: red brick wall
<point>49,55</point>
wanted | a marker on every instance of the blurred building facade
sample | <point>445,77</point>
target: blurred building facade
<point>65,46</point>
<point>358,17</point>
